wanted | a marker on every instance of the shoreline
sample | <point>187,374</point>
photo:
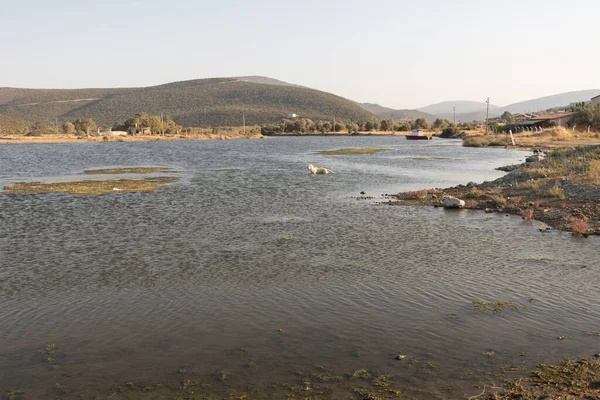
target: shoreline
<point>561,190</point>
<point>224,135</point>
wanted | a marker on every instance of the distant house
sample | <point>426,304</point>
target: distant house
<point>595,100</point>
<point>520,117</point>
<point>556,119</point>
<point>135,130</point>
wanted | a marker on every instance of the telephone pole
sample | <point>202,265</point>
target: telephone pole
<point>454,110</point>
<point>162,130</point>
<point>487,114</point>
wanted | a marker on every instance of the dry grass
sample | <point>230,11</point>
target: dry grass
<point>474,193</point>
<point>499,200</point>
<point>594,172</point>
<point>556,191</point>
<point>579,227</point>
<point>559,134</point>
<point>471,204</point>
<point>527,213</point>
<point>533,185</point>
<point>417,195</point>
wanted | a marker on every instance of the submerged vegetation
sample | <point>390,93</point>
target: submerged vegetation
<point>133,170</point>
<point>351,151</point>
<point>92,187</point>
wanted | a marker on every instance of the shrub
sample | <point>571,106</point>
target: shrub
<point>579,227</point>
<point>450,132</point>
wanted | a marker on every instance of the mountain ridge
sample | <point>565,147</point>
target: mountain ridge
<point>196,102</point>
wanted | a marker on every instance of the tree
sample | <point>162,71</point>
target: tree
<point>375,125</point>
<point>352,127</point>
<point>402,127</point>
<point>369,126</point>
<point>339,127</point>
<point>68,128</point>
<point>440,123</point>
<point>39,129</point>
<point>508,118</point>
<point>386,125</point>
<point>420,123</point>
<point>85,125</point>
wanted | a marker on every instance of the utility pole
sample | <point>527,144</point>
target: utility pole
<point>487,114</point>
<point>454,115</point>
<point>244,121</point>
<point>162,130</point>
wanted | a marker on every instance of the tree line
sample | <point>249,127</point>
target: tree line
<point>86,126</point>
<point>307,126</point>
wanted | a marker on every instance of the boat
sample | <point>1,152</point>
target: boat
<point>417,134</point>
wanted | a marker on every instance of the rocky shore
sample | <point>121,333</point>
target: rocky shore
<point>561,189</point>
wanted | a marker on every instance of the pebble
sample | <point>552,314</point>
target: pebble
<point>400,357</point>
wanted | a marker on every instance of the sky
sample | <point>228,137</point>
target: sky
<point>398,53</point>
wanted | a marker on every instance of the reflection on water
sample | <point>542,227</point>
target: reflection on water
<point>251,261</point>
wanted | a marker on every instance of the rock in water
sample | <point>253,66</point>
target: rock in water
<point>453,202</point>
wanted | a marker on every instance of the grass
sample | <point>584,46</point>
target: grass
<point>134,170</point>
<point>92,187</point>
<point>351,151</point>
<point>556,191</point>
<point>533,185</point>
<point>474,193</point>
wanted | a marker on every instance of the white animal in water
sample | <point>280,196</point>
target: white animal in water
<point>315,170</point>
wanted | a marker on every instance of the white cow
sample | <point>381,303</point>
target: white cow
<point>315,171</point>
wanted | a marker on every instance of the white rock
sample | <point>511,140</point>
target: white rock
<point>453,202</point>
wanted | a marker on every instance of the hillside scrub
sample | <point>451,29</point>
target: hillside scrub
<point>199,103</point>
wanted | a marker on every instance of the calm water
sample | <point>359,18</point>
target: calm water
<point>134,287</point>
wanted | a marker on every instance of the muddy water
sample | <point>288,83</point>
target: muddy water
<point>253,267</point>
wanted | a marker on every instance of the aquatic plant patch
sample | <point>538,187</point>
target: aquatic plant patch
<point>133,170</point>
<point>92,187</point>
<point>497,307</point>
<point>351,151</point>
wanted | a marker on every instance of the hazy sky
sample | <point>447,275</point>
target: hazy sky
<point>399,53</point>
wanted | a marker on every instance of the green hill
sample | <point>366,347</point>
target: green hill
<point>201,103</point>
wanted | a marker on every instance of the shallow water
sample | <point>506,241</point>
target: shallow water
<point>134,287</point>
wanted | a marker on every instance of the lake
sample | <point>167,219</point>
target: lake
<point>252,278</point>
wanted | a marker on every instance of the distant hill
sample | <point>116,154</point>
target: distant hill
<point>557,100</point>
<point>386,113</point>
<point>201,102</point>
<point>471,116</point>
<point>476,111</point>
<point>462,107</point>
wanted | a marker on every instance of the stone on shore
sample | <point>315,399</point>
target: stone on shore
<point>453,202</point>
<point>534,158</point>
